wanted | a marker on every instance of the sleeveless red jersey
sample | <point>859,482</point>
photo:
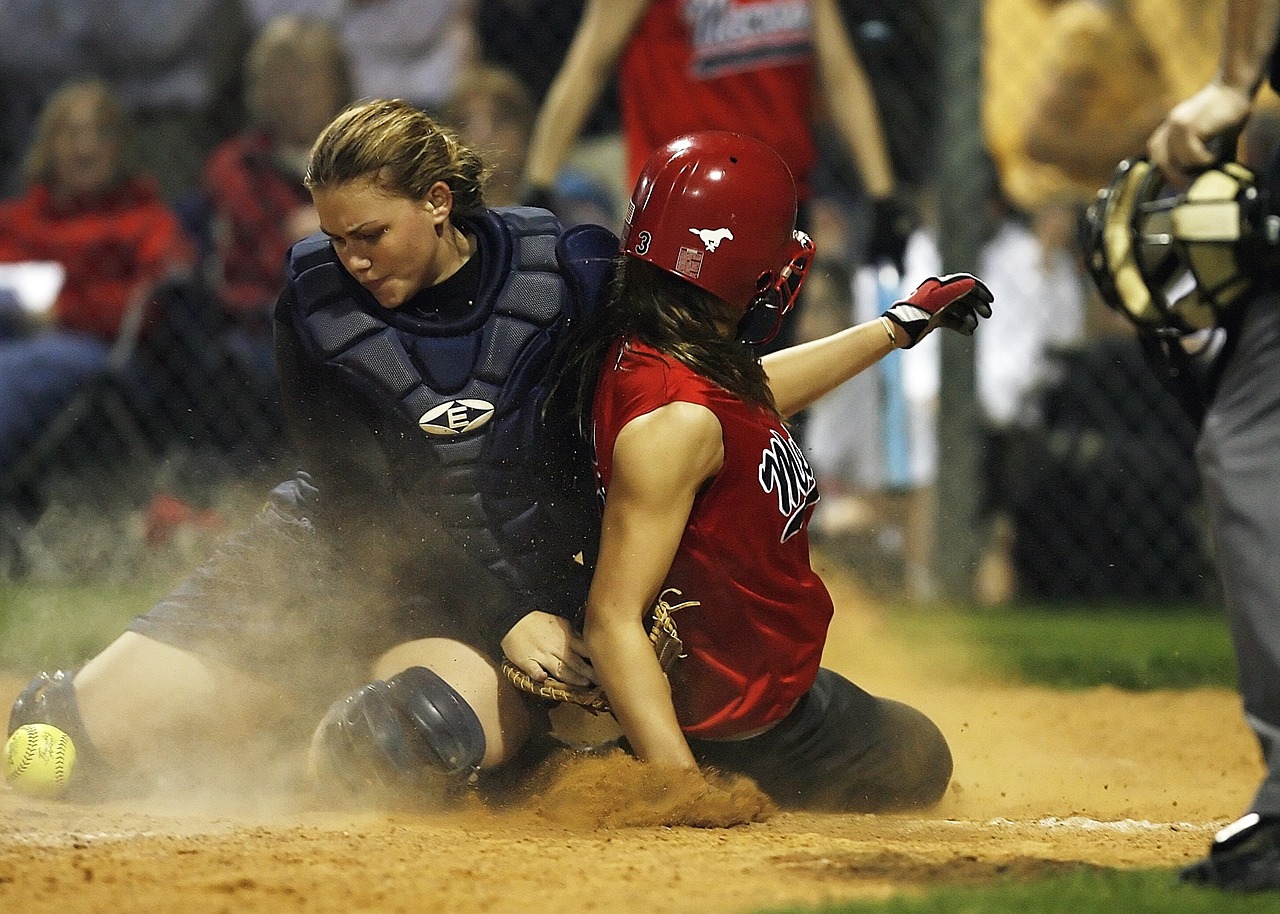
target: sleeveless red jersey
<point>739,65</point>
<point>754,642</point>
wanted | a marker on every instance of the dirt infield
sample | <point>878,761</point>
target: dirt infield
<point>1044,781</point>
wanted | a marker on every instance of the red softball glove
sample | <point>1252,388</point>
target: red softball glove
<point>955,301</point>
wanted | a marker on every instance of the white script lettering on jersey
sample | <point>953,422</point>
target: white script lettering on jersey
<point>731,36</point>
<point>783,467</point>
<point>712,237</point>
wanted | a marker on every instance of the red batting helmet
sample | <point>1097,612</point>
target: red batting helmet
<point>719,210</point>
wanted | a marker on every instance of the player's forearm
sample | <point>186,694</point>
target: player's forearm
<point>850,100</point>
<point>801,374</point>
<point>638,690</point>
<point>559,123</point>
<point>1248,38</point>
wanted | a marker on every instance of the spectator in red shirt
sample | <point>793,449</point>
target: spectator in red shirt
<point>114,238</point>
<point>297,78</point>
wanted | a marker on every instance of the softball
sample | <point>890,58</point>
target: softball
<point>38,760</point>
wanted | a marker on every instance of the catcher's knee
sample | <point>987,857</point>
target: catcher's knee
<point>50,699</point>
<point>408,734</point>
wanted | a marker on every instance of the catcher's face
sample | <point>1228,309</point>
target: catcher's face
<point>393,245</point>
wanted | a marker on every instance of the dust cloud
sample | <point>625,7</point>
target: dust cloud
<point>615,790</point>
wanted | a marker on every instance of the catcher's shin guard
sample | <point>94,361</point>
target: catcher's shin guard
<point>412,734</point>
<point>50,698</point>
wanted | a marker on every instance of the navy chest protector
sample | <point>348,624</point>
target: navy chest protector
<point>474,448</point>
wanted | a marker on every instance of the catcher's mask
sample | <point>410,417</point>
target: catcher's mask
<point>1176,261</point>
<point>718,210</point>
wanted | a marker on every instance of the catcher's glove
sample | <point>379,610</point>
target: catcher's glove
<point>666,644</point>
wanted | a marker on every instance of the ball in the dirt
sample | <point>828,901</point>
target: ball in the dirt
<point>38,760</point>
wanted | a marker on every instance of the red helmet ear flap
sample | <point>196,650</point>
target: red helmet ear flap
<point>777,293</point>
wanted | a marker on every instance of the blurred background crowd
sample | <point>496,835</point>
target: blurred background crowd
<point>151,158</point>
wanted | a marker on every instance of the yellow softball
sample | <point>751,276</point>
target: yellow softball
<point>38,760</point>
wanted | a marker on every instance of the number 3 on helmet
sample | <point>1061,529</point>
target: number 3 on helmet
<point>718,209</point>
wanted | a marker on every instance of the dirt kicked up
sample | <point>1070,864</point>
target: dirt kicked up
<point>1044,781</point>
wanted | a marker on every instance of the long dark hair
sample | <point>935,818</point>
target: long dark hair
<point>676,318</point>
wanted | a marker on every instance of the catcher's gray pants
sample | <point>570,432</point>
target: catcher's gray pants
<point>1239,458</point>
<point>842,750</point>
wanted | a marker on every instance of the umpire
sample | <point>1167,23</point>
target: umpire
<point>1238,451</point>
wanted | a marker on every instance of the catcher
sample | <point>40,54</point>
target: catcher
<point>707,497</point>
<point>444,517</point>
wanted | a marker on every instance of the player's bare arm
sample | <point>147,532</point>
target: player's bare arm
<point>660,461</point>
<point>799,375</point>
<point>850,100</point>
<point>589,63</point>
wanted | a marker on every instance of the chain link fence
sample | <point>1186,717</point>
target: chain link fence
<point>164,451</point>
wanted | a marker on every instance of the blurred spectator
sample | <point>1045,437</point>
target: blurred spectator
<point>1074,86</point>
<point>1036,264</point>
<point>1183,36</point>
<point>1098,93</point>
<point>296,80</point>
<point>111,233</point>
<point>1015,35</point>
<point>860,516</point>
<point>175,68</point>
<point>416,50</point>
<point>42,44</point>
<point>493,114</point>
<point>1036,267</point>
<point>872,441</point>
<point>530,39</point>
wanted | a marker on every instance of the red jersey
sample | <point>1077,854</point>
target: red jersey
<point>109,246</point>
<point>252,197</point>
<point>754,643</point>
<point>739,65</point>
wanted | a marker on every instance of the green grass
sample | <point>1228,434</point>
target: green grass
<point>61,625</point>
<point>1082,646</point>
<point>1085,891</point>
<point>1058,646</point>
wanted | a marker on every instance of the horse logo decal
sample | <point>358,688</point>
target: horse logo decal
<point>712,237</point>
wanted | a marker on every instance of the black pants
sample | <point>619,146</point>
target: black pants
<point>841,749</point>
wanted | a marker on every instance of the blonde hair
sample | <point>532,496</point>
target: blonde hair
<point>511,100</point>
<point>289,41</point>
<point>38,167</point>
<point>401,148</point>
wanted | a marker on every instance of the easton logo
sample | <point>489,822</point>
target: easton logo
<point>783,468</point>
<point>712,237</point>
<point>456,417</point>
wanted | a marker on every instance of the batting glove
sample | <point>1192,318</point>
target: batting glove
<point>955,301</point>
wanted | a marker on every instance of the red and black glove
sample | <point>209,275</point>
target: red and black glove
<point>956,301</point>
